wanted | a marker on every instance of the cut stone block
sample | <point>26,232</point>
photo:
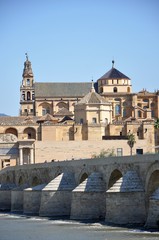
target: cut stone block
<point>125,200</point>
<point>88,199</point>
<point>56,196</point>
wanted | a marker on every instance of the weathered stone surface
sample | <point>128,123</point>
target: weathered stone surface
<point>88,199</point>
<point>130,182</point>
<point>126,198</point>
<point>17,198</point>
<point>125,207</point>
<point>5,196</point>
<point>153,211</point>
<point>32,198</point>
<point>56,196</point>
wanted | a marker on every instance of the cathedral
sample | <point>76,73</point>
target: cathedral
<point>74,120</point>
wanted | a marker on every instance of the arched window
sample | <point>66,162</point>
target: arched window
<point>117,109</point>
<point>128,89</point>
<point>101,89</point>
<point>23,95</point>
<point>28,95</point>
<point>115,89</point>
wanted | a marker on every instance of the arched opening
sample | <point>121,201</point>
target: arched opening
<point>23,95</point>
<point>117,109</point>
<point>101,89</point>
<point>29,133</point>
<point>153,183</point>
<point>21,181</point>
<point>28,96</point>
<point>45,108</point>
<point>128,89</point>
<point>8,179</point>
<point>12,131</point>
<point>35,181</point>
<point>83,177</point>
<point>61,105</point>
<point>115,175</point>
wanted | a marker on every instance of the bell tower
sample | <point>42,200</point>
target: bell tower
<point>27,90</point>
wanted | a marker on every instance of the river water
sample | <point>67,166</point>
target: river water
<point>21,227</point>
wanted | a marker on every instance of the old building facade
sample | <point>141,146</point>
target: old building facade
<point>97,115</point>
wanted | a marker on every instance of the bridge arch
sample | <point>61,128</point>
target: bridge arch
<point>35,181</point>
<point>83,177</point>
<point>21,180</point>
<point>115,175</point>
<point>152,179</point>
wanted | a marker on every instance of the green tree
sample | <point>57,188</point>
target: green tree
<point>131,141</point>
<point>105,153</point>
<point>156,124</point>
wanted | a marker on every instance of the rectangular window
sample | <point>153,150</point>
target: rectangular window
<point>139,151</point>
<point>28,82</point>
<point>94,120</point>
<point>119,152</point>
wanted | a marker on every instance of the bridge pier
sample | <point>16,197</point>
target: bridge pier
<point>88,199</point>
<point>125,201</point>
<point>32,198</point>
<point>56,196</point>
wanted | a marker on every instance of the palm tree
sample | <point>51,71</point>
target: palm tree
<point>131,141</point>
<point>156,124</point>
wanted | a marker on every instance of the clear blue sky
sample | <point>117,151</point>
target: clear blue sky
<point>75,40</point>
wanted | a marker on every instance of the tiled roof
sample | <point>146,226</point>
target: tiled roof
<point>113,73</point>
<point>63,112</point>
<point>11,121</point>
<point>47,117</point>
<point>92,97</point>
<point>67,89</point>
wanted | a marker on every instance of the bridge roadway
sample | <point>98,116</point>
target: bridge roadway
<point>121,190</point>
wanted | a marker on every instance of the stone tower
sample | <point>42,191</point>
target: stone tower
<point>27,90</point>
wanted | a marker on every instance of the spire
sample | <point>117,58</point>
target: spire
<point>92,87</point>
<point>27,71</point>
<point>113,63</point>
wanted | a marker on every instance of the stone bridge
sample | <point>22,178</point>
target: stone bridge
<point>121,190</point>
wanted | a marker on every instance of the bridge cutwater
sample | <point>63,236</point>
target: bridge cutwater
<point>120,190</point>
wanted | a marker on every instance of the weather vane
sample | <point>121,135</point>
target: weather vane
<point>26,54</point>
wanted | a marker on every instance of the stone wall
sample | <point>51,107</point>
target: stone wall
<point>63,150</point>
